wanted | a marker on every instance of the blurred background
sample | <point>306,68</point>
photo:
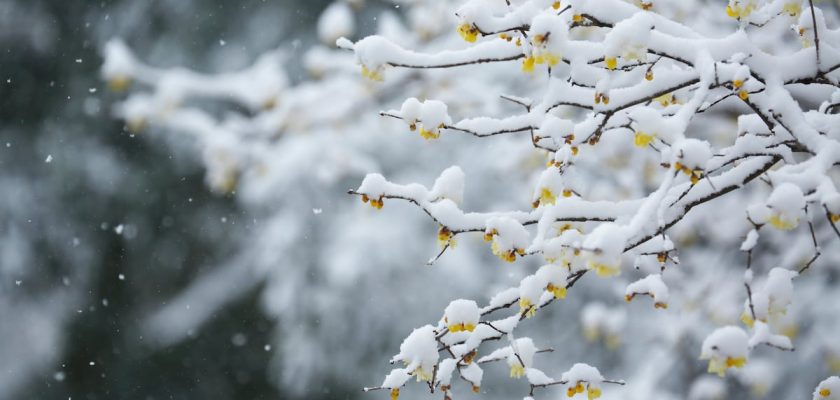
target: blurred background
<point>182,245</point>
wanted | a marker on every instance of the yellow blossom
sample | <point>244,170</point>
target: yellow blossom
<point>719,367</point>
<point>558,292</point>
<point>372,74</point>
<point>665,99</point>
<point>461,327</point>
<point>506,255</point>
<point>641,139</point>
<point>744,95</point>
<point>593,393</point>
<point>468,32</point>
<point>780,222</point>
<point>422,375</point>
<point>429,133</point>
<point>528,64</point>
<point>489,235</point>
<point>517,371</point>
<point>591,334</point>
<point>528,307</point>
<point>793,8</point>
<point>119,83</point>
<point>556,5</point>
<point>611,62</point>
<point>604,270</point>
<point>395,393</point>
<point>445,237</point>
<point>739,11</point>
<point>747,319</point>
<point>547,197</point>
<point>825,392</point>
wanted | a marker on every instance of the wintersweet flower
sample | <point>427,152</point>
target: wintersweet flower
<point>468,32</point>
<point>739,9</point>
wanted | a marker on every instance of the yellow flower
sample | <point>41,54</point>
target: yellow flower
<point>825,392</point>
<point>593,393</point>
<point>375,203</point>
<point>719,367</point>
<point>119,83</point>
<point>429,133</point>
<point>489,235</point>
<point>739,11</point>
<point>744,95</point>
<point>577,18</point>
<point>604,270</point>
<point>468,32</point>
<point>665,99</point>
<point>517,371</point>
<point>528,64</point>
<point>528,307</point>
<point>747,319</point>
<point>611,62</point>
<point>641,139</point>
<point>556,5</point>
<point>792,8</point>
<point>372,74</point>
<point>547,197</point>
<point>461,327</point>
<point>573,390</point>
<point>508,255</point>
<point>612,341</point>
<point>422,375</point>
<point>395,393</point>
<point>835,218</point>
<point>737,83</point>
<point>445,237</point>
<point>783,223</point>
<point>649,75</point>
<point>558,292</point>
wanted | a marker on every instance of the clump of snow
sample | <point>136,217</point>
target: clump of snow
<point>787,204</point>
<point>750,241</point>
<point>692,153</point>
<point>762,335</point>
<point>605,245</point>
<point>509,237</point>
<point>651,285</point>
<point>336,21</point>
<point>396,378</point>
<point>461,315</point>
<point>554,278</point>
<point>449,185</point>
<point>629,39</point>
<point>725,348</point>
<point>419,352</point>
<point>774,297</point>
<point>581,372</point>
<point>828,389</point>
